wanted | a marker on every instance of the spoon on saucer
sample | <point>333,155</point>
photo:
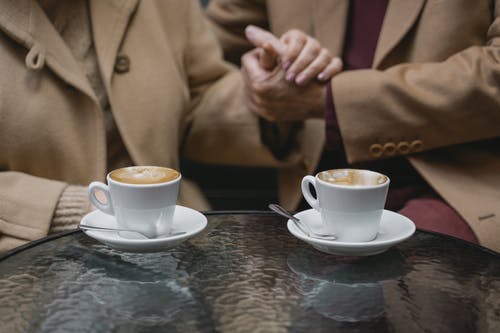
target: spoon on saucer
<point>90,227</point>
<point>299,224</point>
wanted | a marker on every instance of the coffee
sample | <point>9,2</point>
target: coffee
<point>144,175</point>
<point>352,177</point>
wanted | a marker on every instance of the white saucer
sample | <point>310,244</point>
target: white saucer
<point>185,219</point>
<point>394,228</point>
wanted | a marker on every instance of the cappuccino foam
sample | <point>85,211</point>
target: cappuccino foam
<point>352,177</point>
<point>144,175</point>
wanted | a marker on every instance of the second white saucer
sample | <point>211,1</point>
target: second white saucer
<point>394,228</point>
<point>186,219</point>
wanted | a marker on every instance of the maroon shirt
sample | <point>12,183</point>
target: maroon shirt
<point>409,193</point>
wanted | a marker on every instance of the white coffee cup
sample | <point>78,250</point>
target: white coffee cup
<point>142,204</point>
<point>351,202</point>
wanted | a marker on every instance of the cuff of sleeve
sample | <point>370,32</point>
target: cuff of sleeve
<point>72,206</point>
<point>361,111</point>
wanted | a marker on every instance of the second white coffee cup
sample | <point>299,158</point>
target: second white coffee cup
<point>350,201</point>
<point>145,205</point>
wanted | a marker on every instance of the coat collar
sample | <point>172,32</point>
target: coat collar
<point>26,23</point>
<point>329,23</point>
<point>15,20</point>
<point>330,19</point>
<point>400,17</point>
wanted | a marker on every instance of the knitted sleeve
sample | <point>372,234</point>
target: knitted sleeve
<point>72,206</point>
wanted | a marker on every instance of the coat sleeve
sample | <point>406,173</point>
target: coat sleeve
<point>432,104</point>
<point>27,204</point>
<point>222,129</point>
<point>228,19</point>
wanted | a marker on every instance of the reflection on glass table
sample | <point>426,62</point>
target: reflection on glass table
<point>244,273</point>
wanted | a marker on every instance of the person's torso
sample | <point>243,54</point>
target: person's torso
<point>51,123</point>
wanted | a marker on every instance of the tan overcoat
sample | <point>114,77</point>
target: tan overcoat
<point>433,93</point>
<point>51,125</point>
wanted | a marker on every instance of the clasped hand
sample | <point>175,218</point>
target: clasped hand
<point>285,79</point>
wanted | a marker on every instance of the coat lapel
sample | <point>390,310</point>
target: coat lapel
<point>14,20</point>
<point>400,16</point>
<point>109,19</point>
<point>329,23</point>
<point>27,24</point>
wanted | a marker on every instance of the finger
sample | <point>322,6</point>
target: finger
<point>246,81</point>
<point>250,63</point>
<point>315,68</point>
<point>248,93</point>
<point>253,105</point>
<point>258,37</point>
<point>256,104</point>
<point>255,85</point>
<point>294,42</point>
<point>268,56</point>
<point>331,70</point>
<point>306,56</point>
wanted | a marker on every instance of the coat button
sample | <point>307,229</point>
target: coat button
<point>390,149</point>
<point>376,150</point>
<point>416,146</point>
<point>122,64</point>
<point>403,147</point>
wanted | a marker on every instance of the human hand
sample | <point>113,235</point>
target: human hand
<point>270,96</point>
<point>301,55</point>
<point>305,59</point>
<point>268,93</point>
<point>269,47</point>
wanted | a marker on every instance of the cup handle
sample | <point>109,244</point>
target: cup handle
<point>307,192</point>
<point>106,208</point>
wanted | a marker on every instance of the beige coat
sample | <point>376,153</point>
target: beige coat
<point>51,125</point>
<point>433,93</point>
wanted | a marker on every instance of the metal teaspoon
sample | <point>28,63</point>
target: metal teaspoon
<point>299,224</point>
<point>89,227</point>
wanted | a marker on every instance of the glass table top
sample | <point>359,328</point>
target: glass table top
<point>247,273</point>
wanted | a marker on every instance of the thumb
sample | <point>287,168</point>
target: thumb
<point>258,37</point>
<point>250,64</point>
<point>268,56</point>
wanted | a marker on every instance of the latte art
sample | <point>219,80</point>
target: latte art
<point>144,175</point>
<point>352,177</point>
